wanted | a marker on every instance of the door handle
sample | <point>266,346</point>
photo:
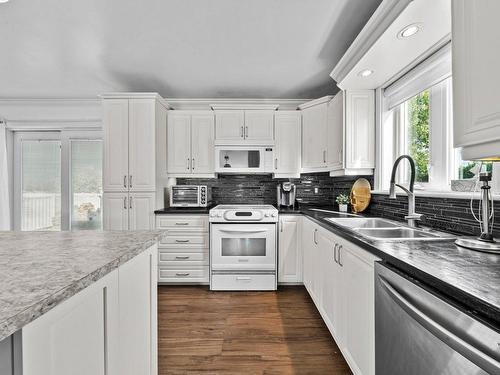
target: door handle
<point>187,165</point>
<point>242,134</point>
<point>130,181</point>
<point>339,256</point>
<point>182,241</point>
<point>335,252</point>
<point>124,203</point>
<point>181,223</point>
<point>181,257</point>
<point>453,340</point>
<point>314,236</point>
<point>281,225</point>
<point>130,202</point>
<point>276,163</point>
<point>246,131</point>
<point>243,230</point>
<point>192,164</point>
<point>182,273</point>
<point>125,181</point>
<point>243,278</point>
<point>324,156</point>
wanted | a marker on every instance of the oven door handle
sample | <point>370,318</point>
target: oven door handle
<point>243,230</point>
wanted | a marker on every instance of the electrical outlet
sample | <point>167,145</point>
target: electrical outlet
<point>316,190</point>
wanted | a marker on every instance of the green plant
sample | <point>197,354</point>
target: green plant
<point>418,134</point>
<point>342,199</point>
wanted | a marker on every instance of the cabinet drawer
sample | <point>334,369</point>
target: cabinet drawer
<point>243,282</point>
<point>181,241</point>
<point>181,275</point>
<point>183,259</point>
<point>181,222</point>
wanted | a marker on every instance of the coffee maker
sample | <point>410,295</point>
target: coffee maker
<point>286,194</point>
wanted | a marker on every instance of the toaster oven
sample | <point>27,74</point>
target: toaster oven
<point>189,196</point>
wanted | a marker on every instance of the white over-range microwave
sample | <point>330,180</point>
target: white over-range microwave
<point>244,159</point>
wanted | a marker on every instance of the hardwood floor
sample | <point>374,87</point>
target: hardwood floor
<point>203,332</point>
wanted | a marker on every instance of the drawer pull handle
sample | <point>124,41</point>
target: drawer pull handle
<point>243,278</point>
<point>181,223</point>
<point>182,241</point>
<point>181,257</point>
<point>182,273</point>
<point>242,260</point>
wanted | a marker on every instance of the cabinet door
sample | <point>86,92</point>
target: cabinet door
<point>72,337</point>
<point>288,142</point>
<point>142,150</point>
<point>259,127</point>
<point>308,245</point>
<point>290,246</point>
<point>202,144</point>
<point>115,126</point>
<point>476,99</point>
<point>229,127</point>
<point>115,211</point>
<point>179,143</point>
<point>359,129</point>
<point>141,211</point>
<point>335,157</point>
<point>359,309</point>
<point>137,315</point>
<point>314,140</point>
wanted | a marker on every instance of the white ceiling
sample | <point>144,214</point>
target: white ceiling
<point>179,48</point>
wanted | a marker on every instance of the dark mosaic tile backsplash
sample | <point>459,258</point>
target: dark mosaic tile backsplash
<point>440,213</point>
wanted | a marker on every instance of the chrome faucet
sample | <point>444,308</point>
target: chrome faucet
<point>412,216</point>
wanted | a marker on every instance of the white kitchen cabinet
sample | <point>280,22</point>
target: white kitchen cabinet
<point>309,249</point>
<point>476,98</point>
<point>251,127</point>
<point>190,144</point>
<point>290,249</point>
<point>338,134</point>
<point>287,150</point>
<point>128,211</point>
<point>135,159</point>
<point>314,135</point>
<point>108,328</point>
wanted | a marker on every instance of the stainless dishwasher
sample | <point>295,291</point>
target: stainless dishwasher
<point>418,332</point>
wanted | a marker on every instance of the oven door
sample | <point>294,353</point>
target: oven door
<point>243,246</point>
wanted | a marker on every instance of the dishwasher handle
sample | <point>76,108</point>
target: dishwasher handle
<point>483,360</point>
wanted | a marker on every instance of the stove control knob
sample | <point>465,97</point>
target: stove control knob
<point>213,214</point>
<point>273,214</point>
<point>219,214</point>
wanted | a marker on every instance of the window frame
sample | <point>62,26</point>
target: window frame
<point>65,137</point>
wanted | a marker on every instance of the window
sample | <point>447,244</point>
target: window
<point>58,180</point>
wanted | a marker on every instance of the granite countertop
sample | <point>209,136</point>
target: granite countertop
<point>470,279</point>
<point>39,270</point>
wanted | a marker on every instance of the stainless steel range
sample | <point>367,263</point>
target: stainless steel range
<point>243,247</point>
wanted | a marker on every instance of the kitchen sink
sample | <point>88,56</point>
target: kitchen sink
<point>361,222</point>
<point>401,233</point>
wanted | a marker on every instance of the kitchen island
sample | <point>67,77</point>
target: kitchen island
<point>80,302</point>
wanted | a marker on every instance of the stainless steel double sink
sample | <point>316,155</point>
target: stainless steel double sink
<point>382,229</point>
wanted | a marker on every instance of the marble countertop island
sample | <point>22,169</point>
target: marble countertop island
<point>39,270</point>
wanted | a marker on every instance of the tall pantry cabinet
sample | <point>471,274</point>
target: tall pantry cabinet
<point>135,126</point>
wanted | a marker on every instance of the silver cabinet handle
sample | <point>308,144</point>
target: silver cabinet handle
<point>281,225</point>
<point>246,131</point>
<point>130,181</point>
<point>125,181</point>
<point>341,156</point>
<point>314,236</point>
<point>335,252</point>
<point>181,223</point>
<point>187,165</point>
<point>324,156</point>
<point>130,202</point>
<point>276,163</point>
<point>242,134</point>
<point>438,329</point>
<point>182,241</point>
<point>124,203</point>
<point>182,257</point>
<point>182,274</point>
<point>243,278</point>
<point>339,256</point>
<point>192,164</point>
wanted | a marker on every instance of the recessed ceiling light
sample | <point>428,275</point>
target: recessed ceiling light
<point>3,1</point>
<point>365,73</point>
<point>410,30</point>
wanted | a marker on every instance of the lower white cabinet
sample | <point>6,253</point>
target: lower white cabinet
<point>128,211</point>
<point>109,328</point>
<point>339,276</point>
<point>183,255</point>
<point>290,249</point>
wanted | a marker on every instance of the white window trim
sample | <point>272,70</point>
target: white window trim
<point>65,137</point>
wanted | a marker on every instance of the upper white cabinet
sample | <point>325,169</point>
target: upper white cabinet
<point>290,249</point>
<point>255,127</point>
<point>190,144</point>
<point>135,158</point>
<point>476,98</point>
<point>338,134</point>
<point>287,155</point>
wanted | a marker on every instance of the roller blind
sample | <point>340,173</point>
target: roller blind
<point>429,72</point>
